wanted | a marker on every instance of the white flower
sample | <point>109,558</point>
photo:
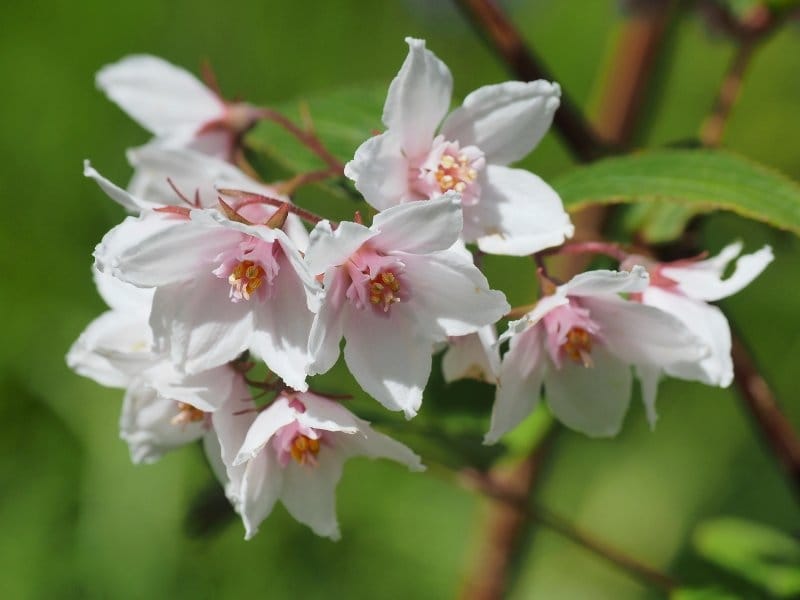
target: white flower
<point>221,287</point>
<point>684,288</point>
<point>472,356</point>
<point>580,344</point>
<point>507,211</point>
<point>293,451</point>
<point>392,291</point>
<point>172,104</point>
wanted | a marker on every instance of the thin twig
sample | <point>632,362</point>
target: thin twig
<point>506,40</point>
<point>763,407</point>
<point>307,138</point>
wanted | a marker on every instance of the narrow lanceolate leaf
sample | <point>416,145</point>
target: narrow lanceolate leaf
<point>702,180</point>
<point>342,119</point>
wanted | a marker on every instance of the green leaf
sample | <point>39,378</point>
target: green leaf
<point>763,556</point>
<point>702,594</point>
<point>702,180</point>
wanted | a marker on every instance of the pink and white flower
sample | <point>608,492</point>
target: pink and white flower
<point>580,344</point>
<point>472,356</point>
<point>507,211</point>
<point>171,103</point>
<point>684,288</point>
<point>392,291</point>
<point>293,451</point>
<point>221,287</point>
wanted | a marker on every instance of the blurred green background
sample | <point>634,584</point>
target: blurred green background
<point>79,521</point>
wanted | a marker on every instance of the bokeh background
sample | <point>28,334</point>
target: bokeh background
<point>78,520</point>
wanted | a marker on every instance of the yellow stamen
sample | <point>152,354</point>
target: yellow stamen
<point>578,346</point>
<point>304,449</point>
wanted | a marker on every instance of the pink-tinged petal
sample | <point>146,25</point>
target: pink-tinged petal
<point>146,424</point>
<point>262,484</point>
<point>591,400</point>
<point>518,214</point>
<point>113,349</point>
<point>388,358</point>
<point>295,263</point>
<point>163,98</point>
<point>592,283</point>
<point>543,306</point>
<point>419,227</point>
<point>329,248</point>
<point>703,280</point>
<point>643,335</point>
<point>450,296</point>
<point>706,322</point>
<point>127,200</point>
<point>380,171</point>
<point>230,425</point>
<point>157,249</point>
<point>648,379</point>
<point>327,329</point>
<point>506,120</point>
<point>473,356</point>
<point>372,444</point>
<point>206,390</point>
<point>326,415</point>
<point>279,414</point>
<point>309,493</point>
<point>282,326</point>
<point>197,325</point>
<point>418,99</point>
<point>519,385</point>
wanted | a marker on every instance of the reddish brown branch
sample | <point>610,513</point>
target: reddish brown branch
<point>506,40</point>
<point>307,138</point>
<point>761,403</point>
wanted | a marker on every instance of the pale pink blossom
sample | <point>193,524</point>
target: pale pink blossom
<point>293,451</point>
<point>684,288</point>
<point>392,291</point>
<point>507,211</point>
<point>580,343</point>
<point>472,356</point>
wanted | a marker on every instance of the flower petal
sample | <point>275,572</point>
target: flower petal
<point>506,120</point>
<point>309,494</point>
<point>329,248</point>
<point>388,358</point>
<point>127,200</point>
<point>648,378</point>
<point>419,227</point>
<point>324,414</point>
<point>603,282</point>
<point>380,170</point>
<point>473,356</point>
<point>591,400</point>
<point>279,414</point>
<point>326,331</point>
<point>262,484</point>
<point>518,214</point>
<point>519,385</point>
<point>373,444</point>
<point>418,98</point>
<point>163,98</point>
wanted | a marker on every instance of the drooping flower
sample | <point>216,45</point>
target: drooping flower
<point>392,291</point>
<point>221,287</point>
<point>507,211</point>
<point>684,288</point>
<point>293,451</point>
<point>581,343</point>
<point>171,103</point>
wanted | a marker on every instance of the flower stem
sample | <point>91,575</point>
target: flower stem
<point>306,137</point>
<point>250,198</point>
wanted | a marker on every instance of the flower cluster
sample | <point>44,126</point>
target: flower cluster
<point>215,272</point>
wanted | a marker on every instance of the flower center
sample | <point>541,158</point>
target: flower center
<point>187,414</point>
<point>245,278</point>
<point>304,450</point>
<point>578,346</point>
<point>455,172</point>
<point>384,289</point>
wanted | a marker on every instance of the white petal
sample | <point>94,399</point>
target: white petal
<point>418,99</point>
<point>262,484</point>
<point>450,296</point>
<point>206,390</point>
<point>326,331</point>
<point>506,120</point>
<point>604,282</point>
<point>125,199</point>
<point>373,444</point>
<point>122,296</point>
<point>648,378</point>
<point>519,385</point>
<point>279,414</point>
<point>473,356</point>
<point>543,306</point>
<point>159,96</point>
<point>380,171</point>
<point>329,248</point>
<point>327,415</point>
<point>518,214</point>
<point>197,325</point>
<point>419,227</point>
<point>231,424</point>
<point>388,358</point>
<point>703,280</point>
<point>591,400</point>
<point>309,493</point>
<point>706,322</point>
